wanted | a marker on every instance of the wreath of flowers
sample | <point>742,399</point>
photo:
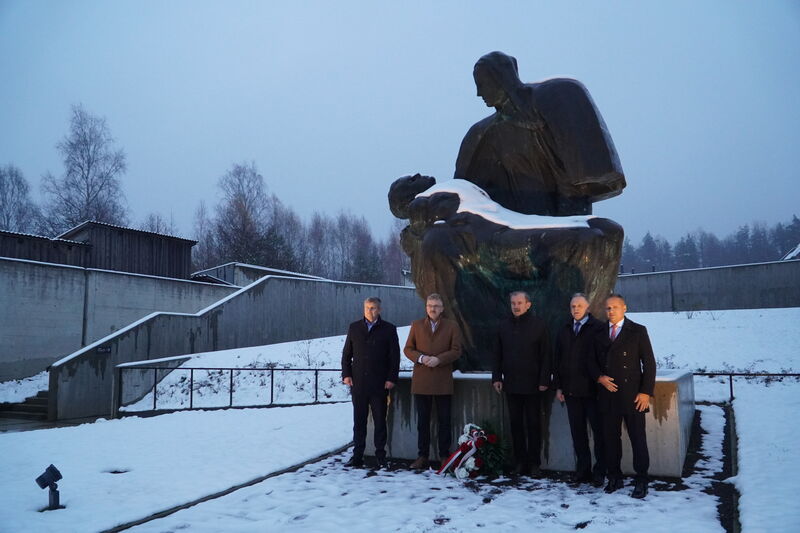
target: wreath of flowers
<point>479,453</point>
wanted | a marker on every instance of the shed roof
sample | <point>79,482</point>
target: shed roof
<point>72,232</point>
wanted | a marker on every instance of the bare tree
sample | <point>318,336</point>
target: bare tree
<point>17,210</point>
<point>242,215</point>
<point>395,260</point>
<point>205,253</point>
<point>156,223</point>
<point>90,187</point>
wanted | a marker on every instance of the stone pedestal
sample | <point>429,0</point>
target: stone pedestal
<point>669,422</point>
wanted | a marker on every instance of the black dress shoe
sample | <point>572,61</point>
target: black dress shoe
<point>519,470</point>
<point>580,477</point>
<point>383,464</point>
<point>597,480</point>
<point>534,472</point>
<point>355,462</point>
<point>614,484</point>
<point>640,489</point>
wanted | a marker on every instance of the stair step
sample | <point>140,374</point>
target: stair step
<point>28,408</point>
<point>36,401</point>
<point>23,415</point>
<point>42,394</point>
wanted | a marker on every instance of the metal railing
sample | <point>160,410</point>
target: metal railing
<point>771,376</point>
<point>215,376</point>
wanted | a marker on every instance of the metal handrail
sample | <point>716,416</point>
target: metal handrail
<point>230,370</point>
<point>732,375</point>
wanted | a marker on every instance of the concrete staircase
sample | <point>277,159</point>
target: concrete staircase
<point>33,408</point>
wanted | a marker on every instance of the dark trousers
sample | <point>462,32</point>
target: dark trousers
<point>423,403</point>
<point>580,411</point>
<point>612,425</point>
<point>362,404</point>
<point>524,414</point>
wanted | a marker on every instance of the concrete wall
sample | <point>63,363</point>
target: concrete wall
<point>756,286</point>
<point>669,422</point>
<point>271,310</point>
<point>49,310</point>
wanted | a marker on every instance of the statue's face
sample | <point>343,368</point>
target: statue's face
<point>488,88</point>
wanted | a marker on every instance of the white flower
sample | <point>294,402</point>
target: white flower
<point>462,439</point>
<point>461,473</point>
<point>469,464</point>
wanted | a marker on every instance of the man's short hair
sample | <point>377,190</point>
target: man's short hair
<point>435,296</point>
<point>518,293</point>
<point>579,295</point>
<point>617,295</point>
<point>373,300</point>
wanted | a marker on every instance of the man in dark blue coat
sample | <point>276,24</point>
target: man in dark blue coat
<point>574,348</point>
<point>625,368</point>
<point>522,364</point>
<point>370,365</point>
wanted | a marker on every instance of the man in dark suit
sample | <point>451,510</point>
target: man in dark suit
<point>370,365</point>
<point>574,349</point>
<point>522,363</point>
<point>625,368</point>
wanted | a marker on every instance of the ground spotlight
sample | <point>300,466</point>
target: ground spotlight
<point>48,479</point>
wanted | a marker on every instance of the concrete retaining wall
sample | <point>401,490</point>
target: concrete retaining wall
<point>669,422</point>
<point>756,286</point>
<point>49,310</point>
<point>271,310</point>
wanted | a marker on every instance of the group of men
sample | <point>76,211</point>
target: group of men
<point>604,371</point>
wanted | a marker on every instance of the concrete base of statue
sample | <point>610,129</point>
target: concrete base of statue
<point>669,422</point>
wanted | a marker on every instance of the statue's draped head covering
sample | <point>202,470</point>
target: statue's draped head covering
<point>502,68</point>
<point>503,72</point>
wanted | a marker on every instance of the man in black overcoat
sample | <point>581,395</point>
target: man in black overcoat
<point>574,348</point>
<point>625,368</point>
<point>370,365</point>
<point>522,366</point>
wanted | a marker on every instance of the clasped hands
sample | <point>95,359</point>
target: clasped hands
<point>642,400</point>
<point>431,361</point>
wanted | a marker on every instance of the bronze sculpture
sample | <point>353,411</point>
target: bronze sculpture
<point>545,151</point>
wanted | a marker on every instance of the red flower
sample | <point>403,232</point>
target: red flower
<point>480,442</point>
<point>478,462</point>
<point>473,474</point>
<point>492,439</point>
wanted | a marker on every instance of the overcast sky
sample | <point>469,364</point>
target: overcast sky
<point>335,100</point>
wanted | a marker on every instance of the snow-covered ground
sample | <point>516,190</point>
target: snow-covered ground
<point>325,497</point>
<point>116,471</point>
<point>17,390</point>
<point>173,459</point>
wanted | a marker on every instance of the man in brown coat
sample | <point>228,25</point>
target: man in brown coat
<point>433,344</point>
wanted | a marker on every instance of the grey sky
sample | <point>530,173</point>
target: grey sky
<point>334,100</point>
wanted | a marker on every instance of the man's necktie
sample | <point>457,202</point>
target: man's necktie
<point>577,327</point>
<point>613,332</point>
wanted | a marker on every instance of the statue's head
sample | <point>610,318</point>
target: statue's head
<point>403,191</point>
<point>496,75</point>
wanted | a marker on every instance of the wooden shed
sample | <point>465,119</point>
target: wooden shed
<point>44,249</point>
<point>134,250</point>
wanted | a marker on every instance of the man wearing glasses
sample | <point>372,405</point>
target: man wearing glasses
<point>433,344</point>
